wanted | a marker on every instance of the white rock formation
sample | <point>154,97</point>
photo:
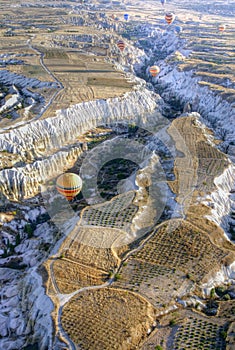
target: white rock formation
<point>48,136</point>
<point>220,198</point>
<point>22,81</point>
<point>217,112</point>
<point>225,276</point>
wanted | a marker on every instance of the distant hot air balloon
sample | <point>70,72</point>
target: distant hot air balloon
<point>222,27</point>
<point>121,45</point>
<point>178,29</point>
<point>126,16</point>
<point>69,185</point>
<point>163,2</point>
<point>154,70</point>
<point>169,17</point>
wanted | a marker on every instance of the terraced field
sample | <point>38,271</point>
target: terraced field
<point>83,78</point>
<point>158,283</point>
<point>46,48</point>
<point>188,330</point>
<point>176,251</point>
<point>124,316</point>
<point>199,333</point>
<point>70,275</point>
<point>120,279</point>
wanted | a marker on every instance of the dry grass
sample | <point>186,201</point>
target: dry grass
<point>83,78</point>
<point>107,319</point>
<point>157,283</point>
<point>70,276</point>
<point>89,254</point>
<point>81,264</point>
<point>182,246</point>
<point>196,170</point>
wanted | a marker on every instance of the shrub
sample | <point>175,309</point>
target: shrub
<point>220,290</point>
<point>223,334</point>
<point>226,297</point>
<point>17,241</point>
<point>29,230</point>
<point>120,176</point>
<point>212,293</point>
<point>117,276</point>
<point>172,322</point>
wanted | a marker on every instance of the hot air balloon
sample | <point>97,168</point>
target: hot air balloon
<point>163,2</point>
<point>121,45</point>
<point>69,185</point>
<point>169,17</point>
<point>222,27</point>
<point>126,16</point>
<point>178,29</point>
<point>154,70</point>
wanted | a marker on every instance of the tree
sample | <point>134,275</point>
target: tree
<point>29,230</point>
<point>212,293</point>
<point>223,334</point>
<point>172,322</point>
<point>17,241</point>
<point>117,276</point>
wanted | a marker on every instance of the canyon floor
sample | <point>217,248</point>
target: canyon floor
<point>144,257</point>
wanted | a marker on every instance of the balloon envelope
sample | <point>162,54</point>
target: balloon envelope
<point>169,17</point>
<point>222,27</point>
<point>69,185</point>
<point>121,45</point>
<point>178,29</point>
<point>154,70</point>
<point>126,16</point>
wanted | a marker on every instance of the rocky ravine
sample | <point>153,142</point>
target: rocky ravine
<point>45,139</point>
<point>41,145</point>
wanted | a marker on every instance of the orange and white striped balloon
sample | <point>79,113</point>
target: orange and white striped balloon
<point>169,17</point>
<point>69,185</point>
<point>121,45</point>
<point>222,27</point>
<point>154,70</point>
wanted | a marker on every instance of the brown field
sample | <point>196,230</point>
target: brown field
<point>159,284</point>
<point>91,255</point>
<point>185,329</point>
<point>117,213</point>
<point>180,246</point>
<point>45,33</point>
<point>83,78</point>
<point>70,276</point>
<point>125,318</point>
